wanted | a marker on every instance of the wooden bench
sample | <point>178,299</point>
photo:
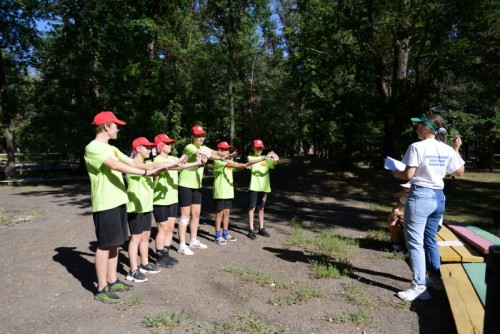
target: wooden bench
<point>463,272</point>
<point>466,306</point>
<point>475,236</point>
<point>457,251</point>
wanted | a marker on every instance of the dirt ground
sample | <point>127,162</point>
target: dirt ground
<point>49,277</point>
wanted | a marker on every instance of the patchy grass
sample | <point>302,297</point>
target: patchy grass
<point>327,243</point>
<point>395,256</point>
<point>26,216</point>
<point>132,302</point>
<point>258,276</point>
<point>379,235</point>
<point>165,320</point>
<point>356,294</point>
<point>299,296</point>
<point>361,317</point>
<point>323,267</point>
<point>243,323</point>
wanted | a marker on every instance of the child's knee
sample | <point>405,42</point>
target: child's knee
<point>184,220</point>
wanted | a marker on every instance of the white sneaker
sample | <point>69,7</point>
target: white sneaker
<point>197,244</point>
<point>435,282</point>
<point>185,251</point>
<point>416,292</point>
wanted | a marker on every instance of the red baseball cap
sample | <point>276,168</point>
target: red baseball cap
<point>258,143</point>
<point>197,130</point>
<point>223,145</point>
<point>163,138</point>
<point>105,117</point>
<point>142,141</point>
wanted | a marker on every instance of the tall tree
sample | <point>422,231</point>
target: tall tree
<point>18,37</point>
<point>232,25</point>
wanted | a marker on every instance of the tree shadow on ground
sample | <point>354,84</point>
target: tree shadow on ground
<point>76,195</point>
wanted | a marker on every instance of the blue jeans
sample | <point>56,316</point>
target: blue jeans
<point>423,211</point>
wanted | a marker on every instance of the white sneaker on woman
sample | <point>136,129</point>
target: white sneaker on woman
<point>416,292</point>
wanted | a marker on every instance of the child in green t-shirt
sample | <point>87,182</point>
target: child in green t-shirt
<point>166,198</point>
<point>105,164</point>
<point>260,186</point>
<point>190,182</point>
<point>224,192</point>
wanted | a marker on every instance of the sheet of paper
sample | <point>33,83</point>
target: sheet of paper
<point>450,243</point>
<point>394,165</point>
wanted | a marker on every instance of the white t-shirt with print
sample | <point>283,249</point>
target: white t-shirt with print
<point>433,160</point>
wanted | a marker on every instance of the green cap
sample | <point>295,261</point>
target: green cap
<point>424,120</point>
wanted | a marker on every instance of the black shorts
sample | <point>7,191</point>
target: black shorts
<point>257,199</point>
<point>111,227</point>
<point>139,222</point>
<point>221,204</point>
<point>163,212</point>
<point>189,196</point>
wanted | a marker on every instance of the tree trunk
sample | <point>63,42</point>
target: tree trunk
<point>10,166</point>
<point>230,93</point>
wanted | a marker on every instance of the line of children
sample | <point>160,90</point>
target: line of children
<point>114,207</point>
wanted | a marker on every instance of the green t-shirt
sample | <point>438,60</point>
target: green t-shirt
<point>192,177</point>
<point>140,193</point>
<point>107,186</point>
<point>260,181</point>
<point>223,180</point>
<point>167,184</point>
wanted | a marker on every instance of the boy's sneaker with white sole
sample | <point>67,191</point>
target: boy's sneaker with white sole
<point>220,241</point>
<point>149,268</point>
<point>136,276</point>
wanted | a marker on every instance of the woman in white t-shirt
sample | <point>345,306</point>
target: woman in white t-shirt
<point>427,163</point>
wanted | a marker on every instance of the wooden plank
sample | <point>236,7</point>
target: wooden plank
<point>447,253</point>
<point>466,307</point>
<point>477,275</point>
<point>466,252</point>
<point>485,234</point>
<point>470,237</point>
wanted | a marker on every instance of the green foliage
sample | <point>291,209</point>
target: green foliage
<point>307,77</point>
